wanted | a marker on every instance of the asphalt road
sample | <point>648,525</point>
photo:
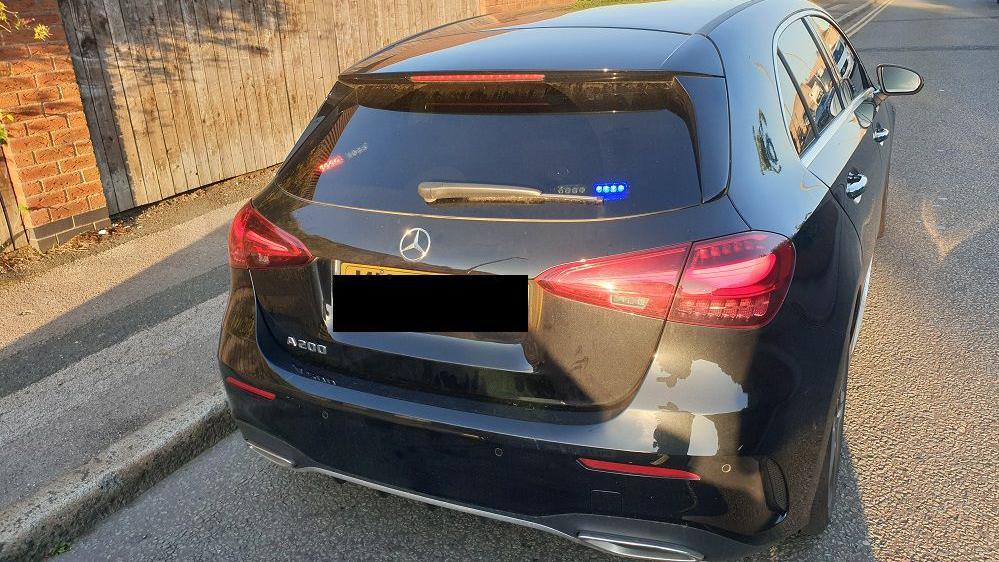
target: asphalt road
<point>919,475</point>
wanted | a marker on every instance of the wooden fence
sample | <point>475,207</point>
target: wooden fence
<point>183,93</point>
<point>12,234</point>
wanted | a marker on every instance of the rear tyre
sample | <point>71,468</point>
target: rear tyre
<point>825,496</point>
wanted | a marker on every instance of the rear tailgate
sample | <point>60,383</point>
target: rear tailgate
<point>350,193</point>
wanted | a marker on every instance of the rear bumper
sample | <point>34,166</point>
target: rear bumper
<point>648,540</point>
<point>747,411</point>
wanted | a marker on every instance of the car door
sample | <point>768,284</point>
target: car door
<point>861,186</point>
<point>833,124</point>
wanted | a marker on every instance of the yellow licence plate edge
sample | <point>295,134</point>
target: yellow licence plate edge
<point>347,268</point>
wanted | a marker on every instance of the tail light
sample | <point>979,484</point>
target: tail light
<point>639,282</point>
<point>735,281</point>
<point>508,77</point>
<point>256,243</point>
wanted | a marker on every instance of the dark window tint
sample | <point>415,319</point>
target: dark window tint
<point>629,144</point>
<point>808,69</point>
<point>843,58</point>
<point>798,121</point>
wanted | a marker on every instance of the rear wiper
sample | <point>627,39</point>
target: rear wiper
<point>434,192</point>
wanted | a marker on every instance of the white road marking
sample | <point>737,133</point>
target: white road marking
<point>868,18</point>
<point>855,10</point>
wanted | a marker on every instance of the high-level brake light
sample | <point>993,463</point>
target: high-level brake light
<point>735,281</point>
<point>256,243</point>
<point>508,77</point>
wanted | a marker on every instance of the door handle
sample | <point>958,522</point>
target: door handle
<point>856,183</point>
<point>880,134</point>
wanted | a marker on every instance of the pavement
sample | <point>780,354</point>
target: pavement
<point>918,478</point>
<point>100,349</point>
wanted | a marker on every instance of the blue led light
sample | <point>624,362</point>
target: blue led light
<point>611,191</point>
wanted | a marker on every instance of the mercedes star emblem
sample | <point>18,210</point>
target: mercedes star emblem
<point>415,244</point>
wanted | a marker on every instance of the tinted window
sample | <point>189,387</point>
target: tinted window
<point>808,69</point>
<point>383,140</point>
<point>797,120</point>
<point>843,58</point>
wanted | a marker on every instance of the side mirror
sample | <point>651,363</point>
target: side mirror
<point>898,80</point>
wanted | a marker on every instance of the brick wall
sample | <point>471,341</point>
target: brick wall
<point>49,156</point>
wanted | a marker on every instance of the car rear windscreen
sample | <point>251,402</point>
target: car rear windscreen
<point>618,148</point>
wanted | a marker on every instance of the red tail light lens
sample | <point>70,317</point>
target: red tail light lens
<point>256,243</point>
<point>736,281</point>
<point>519,77</point>
<point>638,282</point>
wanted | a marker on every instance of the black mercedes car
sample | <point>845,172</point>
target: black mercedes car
<point>596,271</point>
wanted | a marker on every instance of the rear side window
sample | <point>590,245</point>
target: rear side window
<point>630,143</point>
<point>798,121</point>
<point>844,60</point>
<point>805,64</point>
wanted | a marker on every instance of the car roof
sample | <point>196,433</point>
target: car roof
<point>620,36</point>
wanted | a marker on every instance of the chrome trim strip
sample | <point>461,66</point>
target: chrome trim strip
<point>832,128</point>
<point>860,312</point>
<point>669,551</point>
<point>271,456</point>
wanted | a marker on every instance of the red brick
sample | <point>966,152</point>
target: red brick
<point>38,217</point>
<point>55,153</point>
<point>62,106</point>
<point>41,94</point>
<point>47,199</point>
<point>50,123</point>
<point>38,171</point>
<point>70,135</point>
<point>34,142</point>
<point>70,209</point>
<point>12,52</point>
<point>16,83</point>
<point>23,112</point>
<point>16,130</point>
<point>24,159</point>
<point>55,78</point>
<point>9,99</point>
<point>77,163</point>
<point>91,174</point>
<point>69,91</point>
<point>31,66</point>
<point>62,181</point>
<point>76,119</point>
<point>57,33</point>
<point>84,146</point>
<point>4,69</point>
<point>97,201</point>
<point>49,18</point>
<point>49,48</point>
<point>62,63</point>
<point>84,190</point>
<point>31,188</point>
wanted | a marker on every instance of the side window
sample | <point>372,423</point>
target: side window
<point>800,54</point>
<point>798,121</point>
<point>845,61</point>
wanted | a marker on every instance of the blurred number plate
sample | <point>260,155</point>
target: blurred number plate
<point>361,269</point>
